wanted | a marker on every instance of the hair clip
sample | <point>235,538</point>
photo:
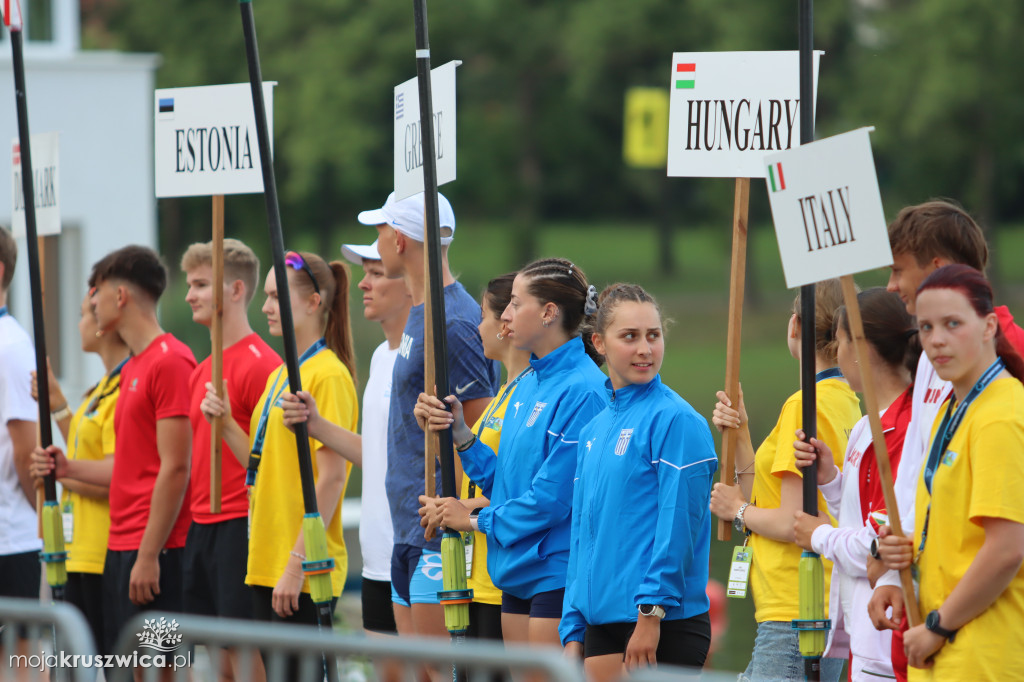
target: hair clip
<point>590,305</point>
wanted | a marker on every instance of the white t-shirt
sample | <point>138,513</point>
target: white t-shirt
<point>930,391</point>
<point>376,534</point>
<point>18,523</point>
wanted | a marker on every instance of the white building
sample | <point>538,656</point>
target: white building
<point>101,103</point>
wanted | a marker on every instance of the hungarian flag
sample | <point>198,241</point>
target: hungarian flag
<point>776,180</point>
<point>685,76</point>
<point>12,14</point>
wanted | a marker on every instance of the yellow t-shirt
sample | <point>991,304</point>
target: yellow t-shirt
<point>774,580</point>
<point>981,475</point>
<point>90,437</point>
<point>479,580</point>
<point>277,507</point>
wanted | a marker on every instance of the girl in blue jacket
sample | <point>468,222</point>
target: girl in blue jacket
<point>530,481</point>
<point>641,528</point>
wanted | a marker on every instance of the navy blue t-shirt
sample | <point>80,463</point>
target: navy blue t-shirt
<point>471,376</point>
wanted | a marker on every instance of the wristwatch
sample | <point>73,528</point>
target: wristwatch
<point>474,516</point>
<point>931,622</point>
<point>873,551</point>
<point>737,522</point>
<point>651,610</point>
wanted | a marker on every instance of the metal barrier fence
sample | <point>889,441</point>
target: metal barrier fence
<point>350,654</point>
<point>38,638</point>
<point>58,641</point>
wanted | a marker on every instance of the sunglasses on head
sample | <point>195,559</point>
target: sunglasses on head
<point>297,262</point>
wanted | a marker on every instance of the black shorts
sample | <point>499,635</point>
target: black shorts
<point>484,621</point>
<point>378,613</point>
<point>263,609</point>
<point>85,591</point>
<point>20,576</point>
<point>541,605</point>
<point>683,642</point>
<point>117,572</point>
<point>215,561</point>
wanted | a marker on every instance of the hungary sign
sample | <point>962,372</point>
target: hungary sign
<point>726,109</point>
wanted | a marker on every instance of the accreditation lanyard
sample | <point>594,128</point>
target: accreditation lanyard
<point>3,311</point>
<point>947,428</point>
<point>272,397</point>
<point>110,384</point>
<point>502,400</point>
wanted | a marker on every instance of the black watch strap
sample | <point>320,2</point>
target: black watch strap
<point>874,549</point>
<point>931,623</point>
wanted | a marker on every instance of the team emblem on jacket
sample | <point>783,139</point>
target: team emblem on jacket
<point>624,436</point>
<point>537,407</point>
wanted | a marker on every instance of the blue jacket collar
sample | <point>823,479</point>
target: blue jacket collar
<point>560,358</point>
<point>627,395</point>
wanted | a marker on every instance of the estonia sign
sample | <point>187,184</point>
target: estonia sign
<point>408,135</point>
<point>726,109</point>
<point>45,184</point>
<point>827,209</point>
<point>206,140</point>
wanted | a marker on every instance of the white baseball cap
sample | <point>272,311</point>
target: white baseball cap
<point>406,216</point>
<point>357,253</point>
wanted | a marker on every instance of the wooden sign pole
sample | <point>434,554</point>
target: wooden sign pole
<point>217,351</point>
<point>737,280</point>
<point>881,452</point>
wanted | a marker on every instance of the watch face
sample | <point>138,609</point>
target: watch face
<point>646,609</point>
<point>737,523</point>
<point>931,620</point>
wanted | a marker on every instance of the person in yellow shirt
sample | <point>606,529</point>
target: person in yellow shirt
<point>968,544</point>
<point>89,433</point>
<point>319,301</point>
<point>770,480</point>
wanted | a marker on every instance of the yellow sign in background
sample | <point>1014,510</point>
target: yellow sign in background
<point>645,139</point>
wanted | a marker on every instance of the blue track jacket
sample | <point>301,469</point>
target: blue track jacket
<point>529,483</point>
<point>641,528</point>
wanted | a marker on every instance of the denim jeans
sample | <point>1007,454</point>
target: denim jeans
<point>776,657</point>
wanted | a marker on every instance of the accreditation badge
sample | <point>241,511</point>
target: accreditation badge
<point>68,519</point>
<point>739,571</point>
<point>467,544</point>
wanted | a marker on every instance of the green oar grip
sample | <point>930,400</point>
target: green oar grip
<point>455,598</point>
<point>53,554</point>
<point>812,625</point>
<point>318,564</point>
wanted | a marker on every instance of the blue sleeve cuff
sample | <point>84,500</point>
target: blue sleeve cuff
<point>484,520</point>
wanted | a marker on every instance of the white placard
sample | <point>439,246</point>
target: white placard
<point>827,209</point>
<point>206,141</point>
<point>408,141</point>
<point>726,109</point>
<point>45,183</point>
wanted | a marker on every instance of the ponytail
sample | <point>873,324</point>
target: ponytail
<point>339,325</point>
<point>1011,358</point>
<point>332,280</point>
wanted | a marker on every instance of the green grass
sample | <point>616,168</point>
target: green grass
<point>695,297</point>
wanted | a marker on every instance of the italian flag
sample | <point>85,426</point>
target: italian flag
<point>776,180</point>
<point>685,76</point>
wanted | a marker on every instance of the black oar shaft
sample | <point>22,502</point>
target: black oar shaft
<point>34,269</point>
<point>807,341</point>
<point>433,245</point>
<point>291,355</point>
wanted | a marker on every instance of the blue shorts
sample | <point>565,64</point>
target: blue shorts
<point>540,605</point>
<point>415,575</point>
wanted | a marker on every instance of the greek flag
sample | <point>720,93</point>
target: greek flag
<point>624,436</point>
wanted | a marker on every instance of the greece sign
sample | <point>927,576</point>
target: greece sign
<point>206,140</point>
<point>408,132</point>
<point>726,109</point>
<point>827,209</point>
<point>45,185</point>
